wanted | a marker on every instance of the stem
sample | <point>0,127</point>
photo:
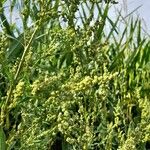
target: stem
<point>4,110</point>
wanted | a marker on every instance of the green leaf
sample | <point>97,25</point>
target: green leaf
<point>2,139</point>
<point>16,47</point>
<point>2,2</point>
<point>65,60</point>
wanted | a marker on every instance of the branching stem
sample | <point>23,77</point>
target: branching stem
<point>4,110</point>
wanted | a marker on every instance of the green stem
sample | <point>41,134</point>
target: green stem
<point>5,110</point>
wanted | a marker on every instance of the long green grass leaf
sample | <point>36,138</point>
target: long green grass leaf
<point>2,139</point>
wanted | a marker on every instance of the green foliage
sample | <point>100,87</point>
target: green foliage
<point>74,87</point>
<point>2,139</point>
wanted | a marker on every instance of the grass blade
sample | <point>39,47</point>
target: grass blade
<point>2,139</point>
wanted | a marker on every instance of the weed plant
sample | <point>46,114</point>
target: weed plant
<point>73,87</point>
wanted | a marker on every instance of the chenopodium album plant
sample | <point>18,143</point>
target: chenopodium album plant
<point>80,99</point>
<point>75,88</point>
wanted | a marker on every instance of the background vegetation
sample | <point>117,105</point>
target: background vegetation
<point>67,82</point>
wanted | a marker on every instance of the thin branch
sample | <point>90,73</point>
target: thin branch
<point>17,74</point>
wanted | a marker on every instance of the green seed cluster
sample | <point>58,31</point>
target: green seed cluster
<point>77,85</point>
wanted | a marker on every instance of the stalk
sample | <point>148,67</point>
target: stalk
<point>4,111</point>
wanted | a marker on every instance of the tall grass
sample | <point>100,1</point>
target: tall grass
<point>73,87</point>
